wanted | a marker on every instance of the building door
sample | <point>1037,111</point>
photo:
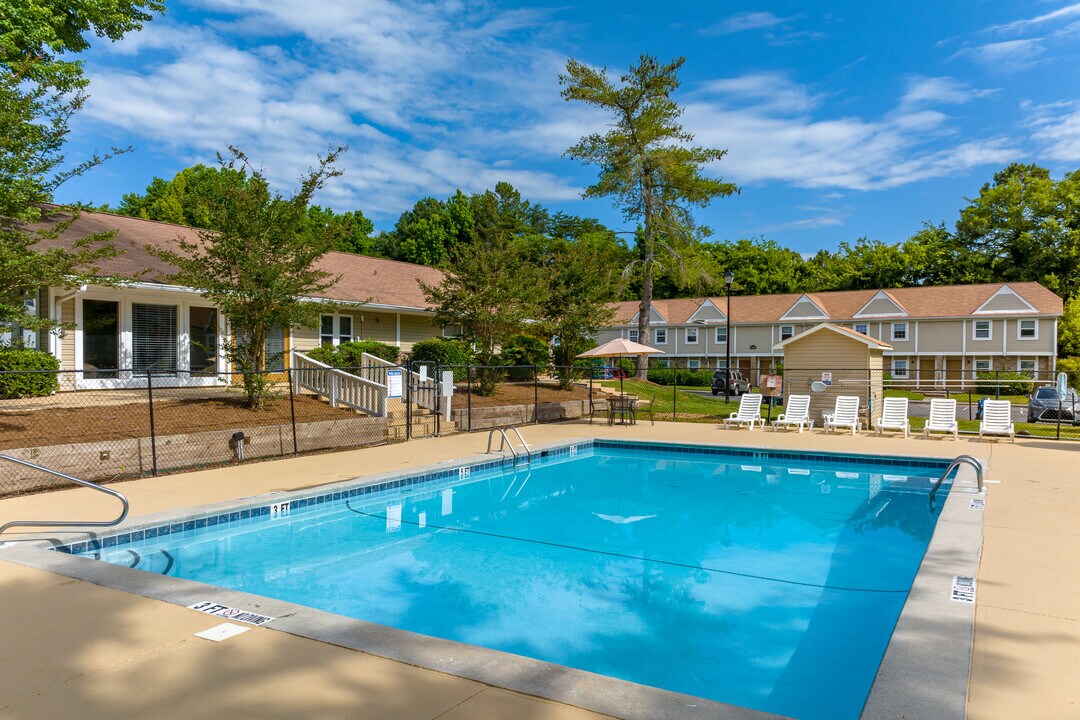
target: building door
<point>927,373</point>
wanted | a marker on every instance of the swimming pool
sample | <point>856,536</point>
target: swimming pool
<point>766,579</point>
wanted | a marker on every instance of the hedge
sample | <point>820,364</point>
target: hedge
<point>521,352</point>
<point>25,384</point>
<point>443,351</point>
<point>680,376</point>
<point>351,354</point>
<point>1003,383</point>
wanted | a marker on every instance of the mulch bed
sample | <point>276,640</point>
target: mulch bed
<point>523,394</point>
<point>61,425</point>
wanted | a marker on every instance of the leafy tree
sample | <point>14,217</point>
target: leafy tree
<point>1026,226</point>
<point>187,199</point>
<point>580,282</point>
<point>41,87</point>
<point>646,164</point>
<point>259,265</point>
<point>351,230</point>
<point>429,233</point>
<point>1069,329</point>
<point>490,291</point>
<point>761,267</point>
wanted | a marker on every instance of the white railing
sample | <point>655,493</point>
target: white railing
<point>338,386</point>
<point>425,391</point>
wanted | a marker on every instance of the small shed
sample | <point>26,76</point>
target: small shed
<point>830,360</point>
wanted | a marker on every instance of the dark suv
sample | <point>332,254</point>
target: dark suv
<point>738,384</point>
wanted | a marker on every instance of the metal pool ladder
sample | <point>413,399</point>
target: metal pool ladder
<point>955,465</point>
<point>504,442</point>
<point>66,523</point>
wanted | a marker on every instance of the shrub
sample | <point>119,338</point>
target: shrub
<point>1004,383</point>
<point>325,354</point>
<point>350,354</point>
<point>443,351</point>
<point>27,384</point>
<point>688,378</point>
<point>522,352</point>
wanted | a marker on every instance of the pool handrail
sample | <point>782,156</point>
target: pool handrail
<point>67,523</point>
<point>955,465</point>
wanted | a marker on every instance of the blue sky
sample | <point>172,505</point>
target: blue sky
<point>841,119</point>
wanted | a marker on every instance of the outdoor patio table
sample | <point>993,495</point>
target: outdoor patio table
<point>622,407</point>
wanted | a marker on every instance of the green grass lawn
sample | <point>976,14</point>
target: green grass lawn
<point>684,401</point>
<point>961,397</point>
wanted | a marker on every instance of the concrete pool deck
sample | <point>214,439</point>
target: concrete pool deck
<point>73,648</point>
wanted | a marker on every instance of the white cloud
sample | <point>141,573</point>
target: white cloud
<point>1009,55</point>
<point>1057,129</point>
<point>772,90</point>
<point>742,22</point>
<point>415,90</point>
<point>1069,11</point>
<point>946,90</point>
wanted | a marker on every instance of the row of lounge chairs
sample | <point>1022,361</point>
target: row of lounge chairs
<point>996,417</point>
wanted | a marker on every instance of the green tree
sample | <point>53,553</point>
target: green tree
<point>187,199</point>
<point>580,283</point>
<point>41,88</point>
<point>646,163</point>
<point>761,267</point>
<point>352,232</point>
<point>1069,329</point>
<point>1026,226</point>
<point>490,291</point>
<point>429,232</point>
<point>259,264</point>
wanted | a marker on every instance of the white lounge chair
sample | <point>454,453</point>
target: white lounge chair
<point>749,412</point>
<point>997,419</point>
<point>845,414</point>
<point>796,412</point>
<point>942,417</point>
<point>894,415</point>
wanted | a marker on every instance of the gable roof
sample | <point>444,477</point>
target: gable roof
<point>840,330</point>
<point>941,301</point>
<point>364,279</point>
<point>813,301</point>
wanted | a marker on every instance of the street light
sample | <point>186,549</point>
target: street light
<point>729,277</point>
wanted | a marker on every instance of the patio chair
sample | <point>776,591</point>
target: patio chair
<point>796,412</point>
<point>845,414</point>
<point>894,415</point>
<point>749,412</point>
<point>647,408</point>
<point>942,417</point>
<point>997,419</point>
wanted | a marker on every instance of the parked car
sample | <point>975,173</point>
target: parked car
<point>1046,405</point>
<point>737,383</point>
<point>609,373</point>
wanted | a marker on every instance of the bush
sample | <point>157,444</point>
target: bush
<point>688,378</point>
<point>1003,383</point>
<point>350,354</point>
<point>523,351</point>
<point>27,384</point>
<point>325,354</point>
<point>443,351</point>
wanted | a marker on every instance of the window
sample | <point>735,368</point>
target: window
<point>899,368</point>
<point>691,336</point>
<point>981,366</point>
<point>556,341</point>
<point>721,364</point>
<point>153,338</point>
<point>451,331</point>
<point>863,328</point>
<point>661,363</point>
<point>899,332</point>
<point>693,364</point>
<point>982,330</point>
<point>1027,330</point>
<point>721,334</point>
<point>335,329</point>
<point>100,338</point>
<point>275,348</point>
<point>202,348</point>
<point>661,336</point>
<point>1026,367</point>
<point>632,335</point>
<point>786,331</point>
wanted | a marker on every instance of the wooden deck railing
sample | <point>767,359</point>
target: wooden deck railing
<point>339,387</point>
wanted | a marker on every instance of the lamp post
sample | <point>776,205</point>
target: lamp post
<point>729,277</point>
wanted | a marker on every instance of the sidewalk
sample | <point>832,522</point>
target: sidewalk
<point>70,648</point>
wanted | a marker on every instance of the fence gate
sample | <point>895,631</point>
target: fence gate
<point>423,399</point>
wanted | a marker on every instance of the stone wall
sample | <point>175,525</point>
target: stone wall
<point>484,418</point>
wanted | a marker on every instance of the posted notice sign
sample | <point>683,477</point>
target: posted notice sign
<point>393,383</point>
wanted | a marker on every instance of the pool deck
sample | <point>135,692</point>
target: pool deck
<point>69,648</point>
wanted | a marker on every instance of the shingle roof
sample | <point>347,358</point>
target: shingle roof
<point>363,278</point>
<point>840,330</point>
<point>919,302</point>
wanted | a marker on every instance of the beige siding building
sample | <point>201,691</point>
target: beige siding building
<point>115,332</point>
<point>937,335</point>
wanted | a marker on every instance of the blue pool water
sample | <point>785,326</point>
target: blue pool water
<point>772,583</point>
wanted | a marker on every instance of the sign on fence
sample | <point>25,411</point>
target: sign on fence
<point>393,383</point>
<point>772,385</point>
<point>826,378</point>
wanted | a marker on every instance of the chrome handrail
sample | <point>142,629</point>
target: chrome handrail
<point>955,465</point>
<point>504,442</point>
<point>67,523</point>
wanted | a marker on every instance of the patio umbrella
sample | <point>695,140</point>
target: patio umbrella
<point>620,347</point>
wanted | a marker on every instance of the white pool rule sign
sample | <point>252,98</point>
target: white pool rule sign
<point>230,613</point>
<point>393,383</point>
